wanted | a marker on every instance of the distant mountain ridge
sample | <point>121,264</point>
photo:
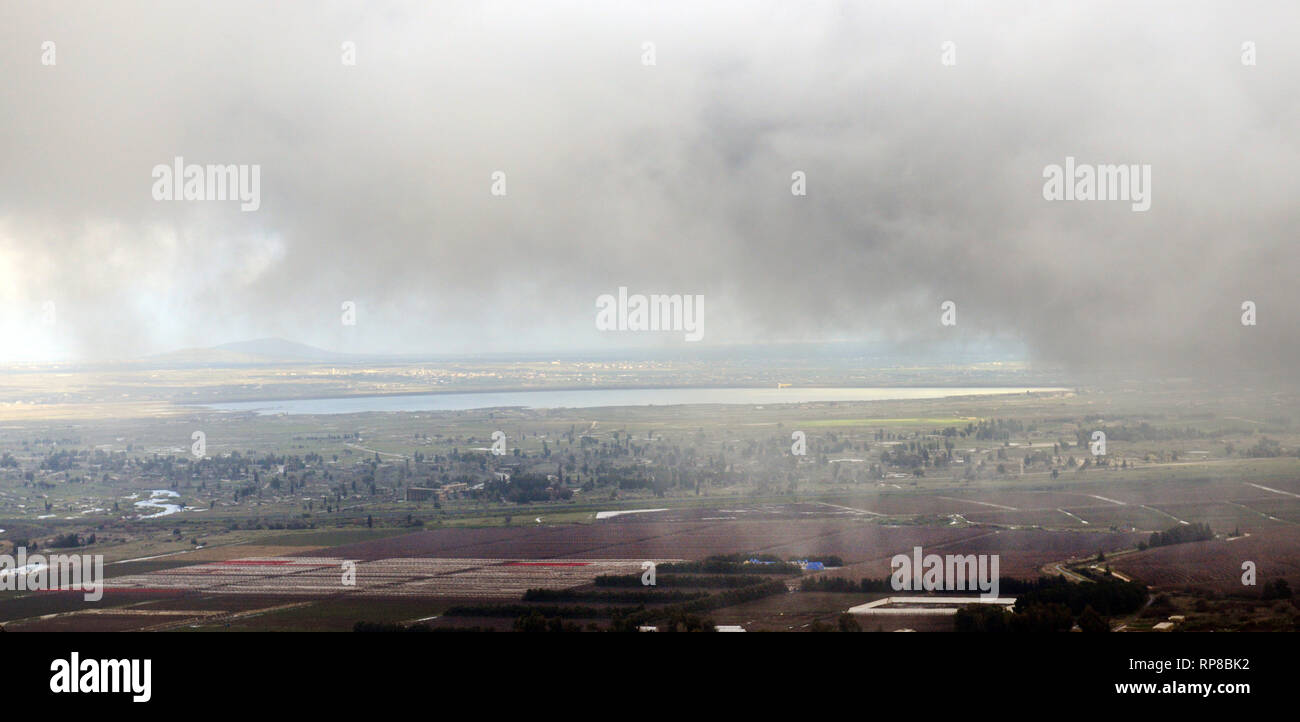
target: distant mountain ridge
<point>279,348</point>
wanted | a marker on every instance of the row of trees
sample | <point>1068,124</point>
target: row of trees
<point>1034,618</point>
<point>1180,534</point>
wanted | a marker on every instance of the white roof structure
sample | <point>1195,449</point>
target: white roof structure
<point>926,606</point>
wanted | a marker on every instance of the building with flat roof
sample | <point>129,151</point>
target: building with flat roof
<point>926,606</point>
<point>415,493</point>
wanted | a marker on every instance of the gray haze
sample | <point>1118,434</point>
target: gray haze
<point>924,181</point>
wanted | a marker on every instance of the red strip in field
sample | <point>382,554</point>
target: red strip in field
<point>547,564</point>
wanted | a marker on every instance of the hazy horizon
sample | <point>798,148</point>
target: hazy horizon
<point>923,178</point>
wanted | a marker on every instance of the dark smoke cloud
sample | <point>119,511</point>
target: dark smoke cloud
<point>924,181</point>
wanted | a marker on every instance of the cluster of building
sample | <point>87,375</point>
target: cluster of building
<point>416,493</point>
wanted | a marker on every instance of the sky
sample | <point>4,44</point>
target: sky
<point>652,146</point>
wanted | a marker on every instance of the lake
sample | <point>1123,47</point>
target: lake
<point>593,398</point>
